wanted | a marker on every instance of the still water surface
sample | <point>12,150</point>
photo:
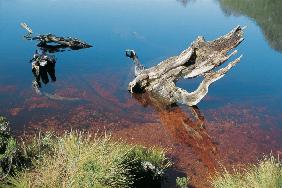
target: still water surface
<point>239,120</point>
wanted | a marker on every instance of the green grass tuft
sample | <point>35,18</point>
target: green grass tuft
<point>182,182</point>
<point>80,160</point>
<point>8,148</point>
<point>266,174</point>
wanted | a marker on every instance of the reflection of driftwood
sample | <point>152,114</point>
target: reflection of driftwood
<point>43,64</point>
<point>200,59</point>
<point>183,129</point>
<point>185,2</point>
<point>43,67</point>
<point>72,43</point>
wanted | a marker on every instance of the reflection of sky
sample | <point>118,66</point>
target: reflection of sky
<point>155,29</point>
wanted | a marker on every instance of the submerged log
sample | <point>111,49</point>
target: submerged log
<point>69,42</point>
<point>200,59</point>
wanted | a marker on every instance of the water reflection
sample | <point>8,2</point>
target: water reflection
<point>43,61</point>
<point>43,64</point>
<point>185,2</point>
<point>185,128</point>
<point>267,14</point>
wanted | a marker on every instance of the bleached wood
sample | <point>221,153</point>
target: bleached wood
<point>199,59</point>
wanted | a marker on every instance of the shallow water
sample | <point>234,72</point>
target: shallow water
<point>242,112</point>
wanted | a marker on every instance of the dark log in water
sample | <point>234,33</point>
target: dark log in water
<point>69,42</point>
<point>43,63</point>
<point>200,59</point>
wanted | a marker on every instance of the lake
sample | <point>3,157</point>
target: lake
<point>238,122</point>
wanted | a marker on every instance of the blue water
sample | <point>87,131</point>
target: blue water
<point>155,29</point>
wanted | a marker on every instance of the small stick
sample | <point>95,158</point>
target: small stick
<point>26,27</point>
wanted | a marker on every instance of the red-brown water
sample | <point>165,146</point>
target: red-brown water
<point>198,141</point>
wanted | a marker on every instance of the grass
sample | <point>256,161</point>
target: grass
<point>79,160</point>
<point>7,148</point>
<point>182,182</point>
<point>266,174</point>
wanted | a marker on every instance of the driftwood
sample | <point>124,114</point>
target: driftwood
<point>43,63</point>
<point>63,42</point>
<point>200,59</point>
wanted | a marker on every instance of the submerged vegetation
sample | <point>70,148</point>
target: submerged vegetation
<point>80,160</point>
<point>266,174</point>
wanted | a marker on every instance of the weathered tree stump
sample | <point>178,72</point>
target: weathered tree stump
<point>200,59</point>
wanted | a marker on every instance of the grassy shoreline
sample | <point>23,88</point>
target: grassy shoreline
<point>79,159</point>
<point>267,173</point>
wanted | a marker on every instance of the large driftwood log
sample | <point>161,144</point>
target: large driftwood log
<point>200,59</point>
